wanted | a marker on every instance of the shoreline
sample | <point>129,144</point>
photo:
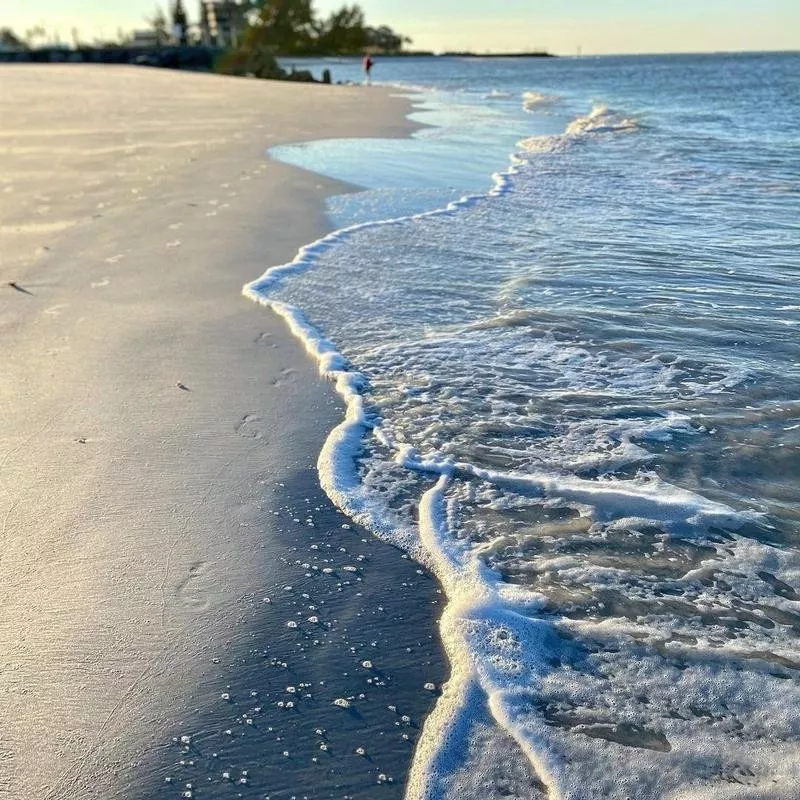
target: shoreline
<point>138,548</point>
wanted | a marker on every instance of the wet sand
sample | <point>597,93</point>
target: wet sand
<point>161,523</point>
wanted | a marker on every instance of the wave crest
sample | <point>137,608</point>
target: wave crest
<point>534,100</point>
<point>600,120</point>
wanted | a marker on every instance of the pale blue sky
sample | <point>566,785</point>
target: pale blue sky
<point>598,26</point>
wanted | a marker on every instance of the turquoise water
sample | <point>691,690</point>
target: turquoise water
<point>575,396</point>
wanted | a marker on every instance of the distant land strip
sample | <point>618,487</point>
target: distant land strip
<point>526,54</point>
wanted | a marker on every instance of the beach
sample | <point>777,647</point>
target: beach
<point>487,486</point>
<point>181,605</point>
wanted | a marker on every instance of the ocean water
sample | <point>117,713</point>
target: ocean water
<point>564,318</point>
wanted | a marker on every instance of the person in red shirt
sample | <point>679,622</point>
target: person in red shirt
<point>368,62</point>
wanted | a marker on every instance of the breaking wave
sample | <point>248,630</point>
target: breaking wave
<point>600,120</point>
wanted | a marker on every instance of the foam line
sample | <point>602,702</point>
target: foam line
<point>652,499</point>
<point>443,743</point>
<point>471,601</point>
<point>308,255</point>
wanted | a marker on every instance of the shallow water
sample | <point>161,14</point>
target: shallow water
<point>576,397</point>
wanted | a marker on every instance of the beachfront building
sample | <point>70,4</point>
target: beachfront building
<point>222,21</point>
<point>145,39</point>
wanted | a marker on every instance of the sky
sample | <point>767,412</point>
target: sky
<point>559,26</point>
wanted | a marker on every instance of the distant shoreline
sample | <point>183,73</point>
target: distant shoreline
<point>200,57</point>
<point>426,54</point>
<point>467,54</point>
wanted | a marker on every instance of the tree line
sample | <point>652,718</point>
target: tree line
<point>256,32</point>
<point>293,27</point>
<point>285,27</point>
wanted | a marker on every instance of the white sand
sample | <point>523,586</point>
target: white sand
<point>148,410</point>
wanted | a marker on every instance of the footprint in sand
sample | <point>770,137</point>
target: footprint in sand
<point>114,259</point>
<point>250,426</point>
<point>287,375</point>
<point>100,284</point>
<point>176,243</point>
<point>267,340</point>
<point>175,226</point>
<point>55,310</point>
<point>187,593</point>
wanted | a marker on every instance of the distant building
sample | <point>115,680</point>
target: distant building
<point>147,38</point>
<point>222,21</point>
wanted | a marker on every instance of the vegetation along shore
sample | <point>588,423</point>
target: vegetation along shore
<point>234,38</point>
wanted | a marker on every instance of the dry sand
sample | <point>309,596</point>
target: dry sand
<point>157,450</point>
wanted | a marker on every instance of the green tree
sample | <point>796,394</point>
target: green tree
<point>34,33</point>
<point>10,40</point>
<point>385,40</point>
<point>285,26</point>
<point>290,27</point>
<point>158,22</point>
<point>343,32</point>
